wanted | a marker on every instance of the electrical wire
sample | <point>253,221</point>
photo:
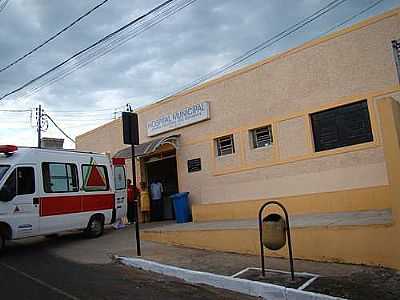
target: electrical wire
<point>85,125</point>
<point>15,110</point>
<point>107,39</point>
<point>80,111</point>
<point>58,127</point>
<point>92,47</point>
<point>361,12</point>
<point>3,4</point>
<point>85,120</point>
<point>109,45</point>
<point>265,44</point>
<point>52,37</point>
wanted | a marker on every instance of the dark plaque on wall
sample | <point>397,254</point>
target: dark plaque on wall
<point>194,165</point>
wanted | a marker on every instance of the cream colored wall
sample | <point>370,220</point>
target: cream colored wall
<point>354,62</point>
<point>345,171</point>
<point>107,138</point>
<point>352,65</point>
<point>282,91</point>
<point>292,138</point>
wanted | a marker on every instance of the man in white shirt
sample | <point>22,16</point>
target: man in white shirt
<point>156,192</point>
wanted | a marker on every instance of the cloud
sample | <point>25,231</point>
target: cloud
<point>191,43</point>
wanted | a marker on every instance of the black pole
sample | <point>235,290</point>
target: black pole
<point>39,127</point>
<point>289,240</point>
<point>261,243</point>
<point>138,250</point>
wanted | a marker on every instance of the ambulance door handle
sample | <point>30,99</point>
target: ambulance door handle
<point>36,201</point>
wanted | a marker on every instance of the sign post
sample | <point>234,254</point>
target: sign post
<point>131,137</point>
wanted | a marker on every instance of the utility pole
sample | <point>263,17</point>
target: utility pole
<point>42,124</point>
<point>39,125</point>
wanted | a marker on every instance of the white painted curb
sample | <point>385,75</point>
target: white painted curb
<point>244,286</point>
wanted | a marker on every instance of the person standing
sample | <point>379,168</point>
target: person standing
<point>131,202</point>
<point>156,191</point>
<point>144,202</point>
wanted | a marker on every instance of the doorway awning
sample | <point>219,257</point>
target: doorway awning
<point>149,147</point>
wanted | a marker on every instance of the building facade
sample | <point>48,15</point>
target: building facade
<point>316,128</point>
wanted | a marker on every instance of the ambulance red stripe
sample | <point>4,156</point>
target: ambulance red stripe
<point>60,205</point>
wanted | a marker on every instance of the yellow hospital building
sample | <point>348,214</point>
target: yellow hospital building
<point>316,128</point>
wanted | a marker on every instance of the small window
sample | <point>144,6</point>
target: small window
<point>20,182</point>
<point>342,126</point>
<point>60,178</point>
<point>25,181</point>
<point>261,137</point>
<point>120,179</point>
<point>9,189</point>
<point>95,178</point>
<point>3,170</point>
<point>225,145</point>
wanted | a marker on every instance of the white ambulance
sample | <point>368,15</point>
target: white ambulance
<point>44,192</point>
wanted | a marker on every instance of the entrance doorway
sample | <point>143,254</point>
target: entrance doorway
<point>162,170</point>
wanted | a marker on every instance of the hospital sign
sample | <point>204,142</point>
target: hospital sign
<point>187,116</point>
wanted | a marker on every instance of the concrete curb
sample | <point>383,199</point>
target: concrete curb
<point>244,286</point>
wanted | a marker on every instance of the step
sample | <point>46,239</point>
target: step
<point>358,218</point>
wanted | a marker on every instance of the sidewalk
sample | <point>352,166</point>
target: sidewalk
<point>339,280</point>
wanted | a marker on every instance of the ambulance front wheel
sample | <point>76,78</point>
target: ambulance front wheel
<point>95,227</point>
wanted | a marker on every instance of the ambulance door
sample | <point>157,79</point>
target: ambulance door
<point>120,191</point>
<point>20,191</point>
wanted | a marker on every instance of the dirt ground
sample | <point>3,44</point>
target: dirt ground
<point>379,283</point>
<point>282,279</point>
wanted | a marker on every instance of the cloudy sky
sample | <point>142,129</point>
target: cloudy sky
<point>196,40</point>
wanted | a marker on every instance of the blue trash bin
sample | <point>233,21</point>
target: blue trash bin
<point>181,207</point>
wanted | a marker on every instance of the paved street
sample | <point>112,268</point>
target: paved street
<point>72,267</point>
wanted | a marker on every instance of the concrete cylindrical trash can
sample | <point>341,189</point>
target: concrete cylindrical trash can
<point>181,207</point>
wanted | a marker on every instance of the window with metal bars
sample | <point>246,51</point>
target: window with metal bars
<point>261,137</point>
<point>342,126</point>
<point>396,53</point>
<point>225,145</point>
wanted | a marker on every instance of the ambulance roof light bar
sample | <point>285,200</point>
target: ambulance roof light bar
<point>8,149</point>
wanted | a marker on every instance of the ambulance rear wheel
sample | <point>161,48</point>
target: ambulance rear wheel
<point>95,227</point>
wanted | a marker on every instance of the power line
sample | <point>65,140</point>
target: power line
<point>85,125</point>
<point>92,110</point>
<point>361,12</point>
<point>53,36</point>
<point>86,120</point>
<point>109,45</point>
<point>269,42</point>
<point>3,4</point>
<point>58,127</point>
<point>15,110</point>
<point>110,41</point>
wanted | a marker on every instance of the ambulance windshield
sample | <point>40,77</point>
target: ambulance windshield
<point>3,170</point>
